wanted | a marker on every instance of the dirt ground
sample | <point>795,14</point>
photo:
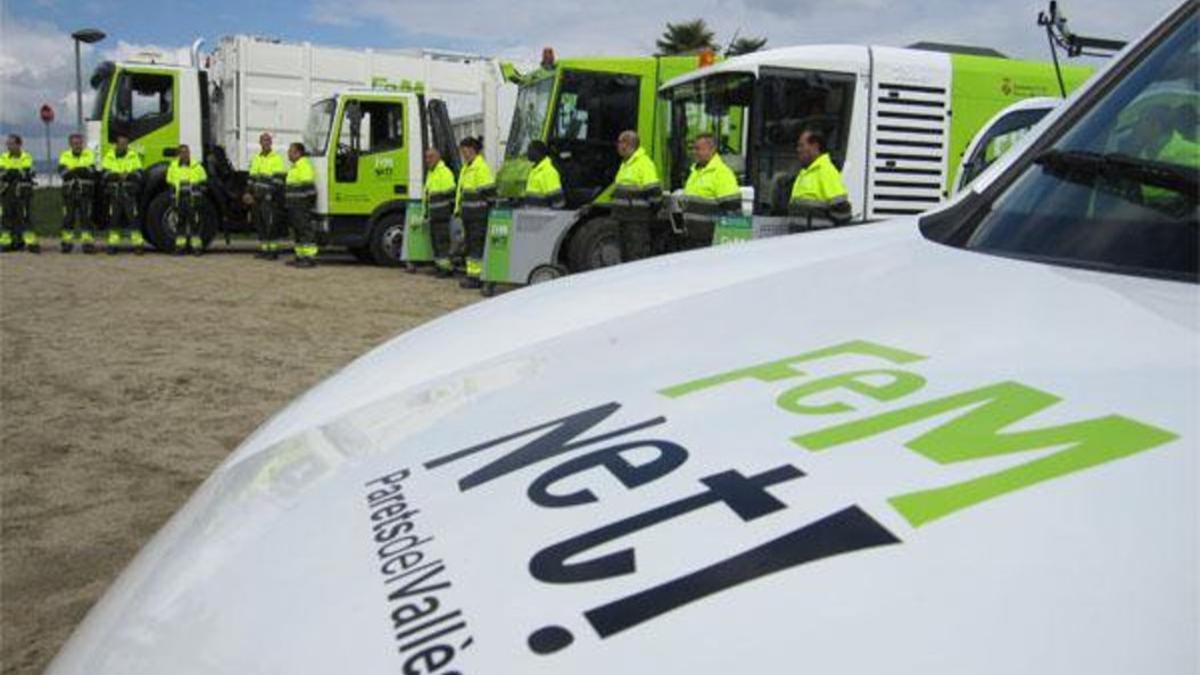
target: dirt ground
<point>124,381</point>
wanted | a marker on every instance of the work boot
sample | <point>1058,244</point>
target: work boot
<point>138,250</point>
<point>66,247</point>
<point>111,250</point>
<point>198,251</point>
<point>34,248</point>
<point>180,251</point>
<point>302,263</point>
<point>89,248</point>
<point>469,282</point>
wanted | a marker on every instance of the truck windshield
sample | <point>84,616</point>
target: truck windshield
<point>319,126</point>
<point>1117,191</point>
<point>716,105</point>
<point>529,118</point>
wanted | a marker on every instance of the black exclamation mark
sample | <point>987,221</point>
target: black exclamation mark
<point>850,529</point>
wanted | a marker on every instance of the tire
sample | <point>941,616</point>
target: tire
<point>543,273</point>
<point>387,236</point>
<point>362,254</point>
<point>161,220</point>
<point>595,244</point>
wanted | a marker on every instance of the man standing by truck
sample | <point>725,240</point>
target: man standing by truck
<point>267,175</point>
<point>638,194</point>
<point>439,208</point>
<point>77,168</point>
<point>710,192</point>
<point>16,197</point>
<point>123,175</point>
<point>187,181</point>
<point>476,190</point>
<point>301,195</point>
<point>818,190</point>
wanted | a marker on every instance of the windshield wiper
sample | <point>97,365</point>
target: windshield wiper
<point>1081,166</point>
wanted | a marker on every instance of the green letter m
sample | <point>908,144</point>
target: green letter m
<point>978,433</point>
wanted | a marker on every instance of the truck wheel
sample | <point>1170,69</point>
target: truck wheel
<point>595,244</point>
<point>543,273</point>
<point>386,239</point>
<point>162,221</point>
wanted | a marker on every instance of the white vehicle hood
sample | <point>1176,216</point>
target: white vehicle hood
<point>850,452</point>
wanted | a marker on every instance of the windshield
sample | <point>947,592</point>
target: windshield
<point>529,117</point>
<point>319,126</point>
<point>715,105</point>
<point>1118,190</point>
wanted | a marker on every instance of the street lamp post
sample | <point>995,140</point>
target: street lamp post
<point>90,36</point>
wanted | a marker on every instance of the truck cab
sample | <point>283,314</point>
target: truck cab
<point>366,147</point>
<point>578,106</point>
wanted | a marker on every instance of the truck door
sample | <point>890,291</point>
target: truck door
<point>144,107</point>
<point>788,101</point>
<point>592,108</point>
<point>370,164</point>
<point>441,133</point>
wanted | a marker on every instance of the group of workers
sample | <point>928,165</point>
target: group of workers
<point>711,190</point>
<point>471,197</point>
<point>277,196</point>
<point>281,197</point>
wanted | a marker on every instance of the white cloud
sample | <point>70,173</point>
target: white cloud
<point>37,65</point>
<point>580,27</point>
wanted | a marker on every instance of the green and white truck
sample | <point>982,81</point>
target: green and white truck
<point>220,103</point>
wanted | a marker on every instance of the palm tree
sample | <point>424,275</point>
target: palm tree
<point>745,45</point>
<point>688,37</point>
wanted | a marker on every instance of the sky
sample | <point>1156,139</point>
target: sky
<point>37,54</point>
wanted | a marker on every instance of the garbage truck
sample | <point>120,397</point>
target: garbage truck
<point>219,103</point>
<point>897,121</point>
